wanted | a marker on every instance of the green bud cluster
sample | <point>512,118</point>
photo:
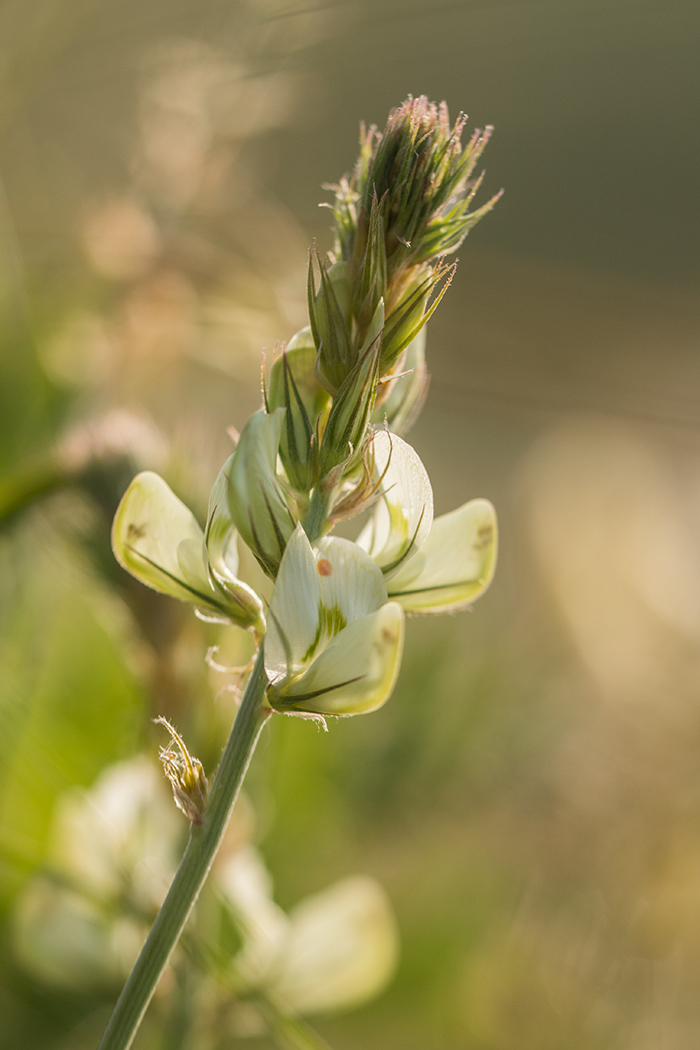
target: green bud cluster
<point>403,209</point>
<point>361,361</point>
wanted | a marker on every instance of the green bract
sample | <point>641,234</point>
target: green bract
<point>159,541</point>
<point>294,387</point>
<point>331,322</point>
<point>400,399</point>
<point>255,498</point>
<point>333,645</point>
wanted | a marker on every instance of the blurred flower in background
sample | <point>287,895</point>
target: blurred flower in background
<point>114,849</point>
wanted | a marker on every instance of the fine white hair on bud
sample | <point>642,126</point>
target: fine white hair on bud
<point>186,775</point>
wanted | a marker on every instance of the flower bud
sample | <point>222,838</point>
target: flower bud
<point>371,274</point>
<point>294,387</point>
<point>412,310</point>
<point>419,166</point>
<point>186,776</point>
<point>405,207</point>
<point>348,421</point>
<point>331,322</point>
<point>255,497</point>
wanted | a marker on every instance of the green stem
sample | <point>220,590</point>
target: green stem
<point>194,867</point>
<point>315,523</point>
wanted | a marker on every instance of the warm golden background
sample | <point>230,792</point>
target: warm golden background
<point>530,797</point>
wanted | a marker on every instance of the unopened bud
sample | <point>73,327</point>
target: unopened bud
<point>348,422</point>
<point>371,269</point>
<point>294,387</point>
<point>255,497</point>
<point>186,775</point>
<point>331,322</point>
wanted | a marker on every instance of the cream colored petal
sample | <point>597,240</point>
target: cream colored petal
<point>247,887</point>
<point>64,939</point>
<point>220,532</point>
<point>122,829</point>
<point>348,579</point>
<point>158,540</point>
<point>244,606</point>
<point>256,501</point>
<point>454,566</point>
<point>341,949</point>
<point>317,593</point>
<point>294,618</point>
<point>355,673</point>
<point>404,515</point>
<point>407,392</point>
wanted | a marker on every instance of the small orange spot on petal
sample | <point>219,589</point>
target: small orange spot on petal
<point>324,567</point>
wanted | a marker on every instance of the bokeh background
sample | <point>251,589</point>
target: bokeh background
<point>530,797</point>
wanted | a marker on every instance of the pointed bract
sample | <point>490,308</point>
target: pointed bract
<point>400,400</point>
<point>255,498</point>
<point>331,322</point>
<point>294,387</point>
<point>348,421</point>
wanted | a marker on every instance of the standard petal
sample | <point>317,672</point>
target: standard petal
<point>158,540</point>
<point>349,580</point>
<point>124,826</point>
<point>403,516</point>
<point>318,592</point>
<point>355,673</point>
<point>454,566</point>
<point>66,940</point>
<point>341,948</point>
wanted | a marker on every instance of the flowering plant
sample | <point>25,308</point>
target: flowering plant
<point>325,446</point>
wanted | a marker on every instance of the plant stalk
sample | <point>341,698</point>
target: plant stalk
<point>194,867</point>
